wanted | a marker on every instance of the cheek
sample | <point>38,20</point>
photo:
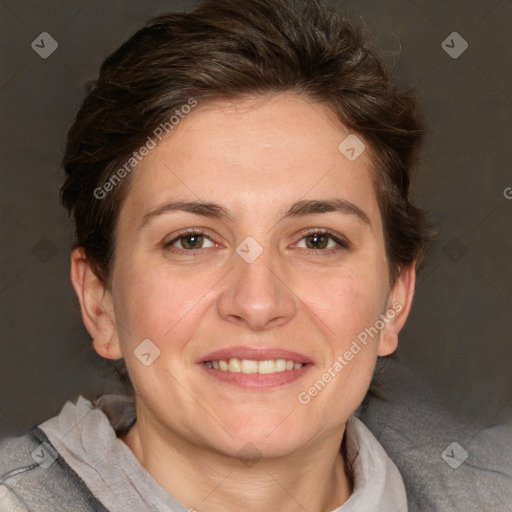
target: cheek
<point>160,306</point>
<point>165,311</point>
<point>346,302</point>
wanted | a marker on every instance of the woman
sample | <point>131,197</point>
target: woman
<point>239,181</point>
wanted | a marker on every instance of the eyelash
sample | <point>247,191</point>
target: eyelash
<point>342,244</point>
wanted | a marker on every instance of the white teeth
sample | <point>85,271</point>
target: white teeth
<point>252,366</point>
<point>234,365</point>
<point>249,366</point>
<point>280,365</point>
<point>266,366</point>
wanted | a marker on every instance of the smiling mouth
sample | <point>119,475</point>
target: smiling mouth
<point>234,365</point>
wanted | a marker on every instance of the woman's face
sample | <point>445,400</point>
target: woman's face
<point>248,236</point>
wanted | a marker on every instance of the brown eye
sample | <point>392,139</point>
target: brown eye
<point>323,242</point>
<point>194,241</point>
<point>189,242</point>
<point>317,241</point>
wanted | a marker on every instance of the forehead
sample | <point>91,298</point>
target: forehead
<point>253,155</point>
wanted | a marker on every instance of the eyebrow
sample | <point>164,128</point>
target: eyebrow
<point>310,207</point>
<point>298,209</point>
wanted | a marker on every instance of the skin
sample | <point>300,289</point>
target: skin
<point>255,157</point>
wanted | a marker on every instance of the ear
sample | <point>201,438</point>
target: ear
<point>397,310</point>
<point>96,306</point>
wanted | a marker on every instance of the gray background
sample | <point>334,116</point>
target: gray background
<point>459,335</point>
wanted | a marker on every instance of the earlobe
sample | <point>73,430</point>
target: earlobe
<point>96,306</point>
<point>398,308</point>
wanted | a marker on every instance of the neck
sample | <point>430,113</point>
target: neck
<point>314,478</point>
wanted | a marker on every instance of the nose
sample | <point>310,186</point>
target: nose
<point>256,296</point>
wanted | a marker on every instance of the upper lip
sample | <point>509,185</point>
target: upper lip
<point>255,354</point>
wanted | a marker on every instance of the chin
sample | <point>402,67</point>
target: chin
<point>272,436</point>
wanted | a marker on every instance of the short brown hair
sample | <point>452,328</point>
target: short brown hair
<point>228,49</point>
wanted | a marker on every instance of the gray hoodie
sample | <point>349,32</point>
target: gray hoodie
<point>75,461</point>
<point>84,436</point>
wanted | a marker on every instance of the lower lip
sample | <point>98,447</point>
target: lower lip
<point>257,380</point>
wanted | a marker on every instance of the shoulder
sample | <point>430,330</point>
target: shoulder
<point>33,476</point>
<point>446,462</point>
